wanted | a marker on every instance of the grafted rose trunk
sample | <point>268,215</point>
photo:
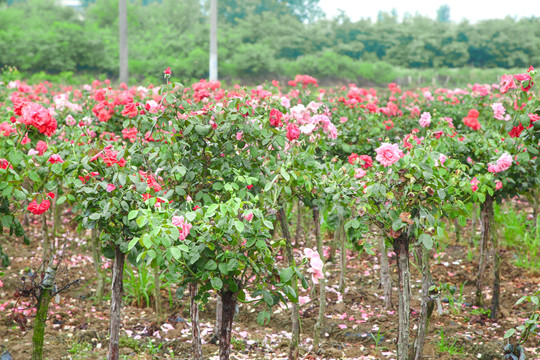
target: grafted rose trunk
<point>228,299</point>
<point>427,307</point>
<point>401,248</point>
<point>386,281</point>
<point>196,343</point>
<point>342,256</point>
<point>322,283</point>
<point>486,217</point>
<point>117,291</point>
<point>295,312</point>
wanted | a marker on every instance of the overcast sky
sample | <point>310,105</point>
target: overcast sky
<point>473,10</point>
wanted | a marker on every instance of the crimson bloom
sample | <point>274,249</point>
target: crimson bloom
<point>55,158</point>
<point>293,132</point>
<point>38,209</point>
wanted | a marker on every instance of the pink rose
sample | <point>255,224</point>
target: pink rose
<point>474,184</point>
<point>507,83</point>
<point>387,154</point>
<point>316,265</point>
<point>498,185</point>
<point>184,226</point>
<point>111,187</point>
<point>504,162</point>
<point>359,173</point>
<point>248,217</point>
<point>492,168</point>
<point>55,158</point>
<point>41,147</point>
<point>425,119</point>
<point>293,132</point>
<point>442,159</point>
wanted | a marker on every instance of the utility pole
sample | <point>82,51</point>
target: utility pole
<point>213,41</point>
<point>123,40</point>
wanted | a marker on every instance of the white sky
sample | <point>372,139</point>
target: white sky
<point>472,10</point>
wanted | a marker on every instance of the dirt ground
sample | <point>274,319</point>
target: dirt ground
<point>357,326</point>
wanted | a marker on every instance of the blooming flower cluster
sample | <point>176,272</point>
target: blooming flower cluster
<point>316,264</point>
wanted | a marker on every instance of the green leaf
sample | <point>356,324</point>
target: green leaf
<point>481,197</point>
<point>176,253</point>
<point>210,265</point>
<point>141,221</point>
<point>122,179</point>
<point>397,224</point>
<point>267,297</point>
<point>286,274</point>
<point>15,157</point>
<point>132,243</point>
<point>442,193</point>
<point>239,225</point>
<point>285,175</point>
<point>216,282</point>
<point>33,176</point>
<point>263,318</point>
<point>233,265</point>
<point>95,216</point>
<point>132,214</point>
<point>62,199</point>
<point>190,216</point>
<point>426,240</point>
<point>509,333</point>
<point>223,268</point>
<point>147,242</point>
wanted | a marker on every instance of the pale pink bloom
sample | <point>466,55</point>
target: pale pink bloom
<point>504,162</point>
<point>498,111</point>
<point>359,173</point>
<point>332,131</point>
<point>239,135</point>
<point>442,159</point>
<point>1,283</point>
<point>152,107</point>
<point>313,106</point>
<point>469,160</point>
<point>183,226</point>
<point>493,168</point>
<point>248,217</point>
<point>286,103</point>
<point>307,129</point>
<point>316,265</point>
<point>189,199</point>
<point>303,300</point>
<point>425,119</point>
<point>387,154</point>
<point>70,120</point>
<point>343,119</point>
<point>111,187</point>
<point>498,185</point>
<point>33,152</point>
<point>310,253</point>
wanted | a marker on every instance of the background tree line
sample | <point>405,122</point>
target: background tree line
<point>258,40</point>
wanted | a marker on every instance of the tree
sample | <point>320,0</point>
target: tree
<point>123,41</point>
<point>443,14</point>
